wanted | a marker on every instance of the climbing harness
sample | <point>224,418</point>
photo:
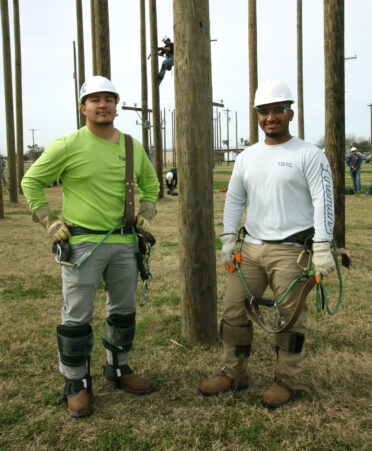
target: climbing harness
<point>125,225</point>
<point>311,279</point>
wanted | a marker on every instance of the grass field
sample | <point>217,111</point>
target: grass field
<point>175,417</point>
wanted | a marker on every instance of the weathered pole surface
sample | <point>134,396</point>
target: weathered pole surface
<point>8,96</point>
<point>335,107</point>
<point>144,92</point>
<point>300,83</point>
<point>76,88</point>
<point>18,93</point>
<point>158,163</point>
<point>102,38</point>
<point>81,57</point>
<point>252,51</point>
<point>93,37</point>
<point>193,99</point>
<point>173,139</point>
<point>2,213</point>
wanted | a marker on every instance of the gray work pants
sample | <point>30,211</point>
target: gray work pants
<point>116,264</point>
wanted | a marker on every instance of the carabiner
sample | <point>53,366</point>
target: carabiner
<point>145,294</point>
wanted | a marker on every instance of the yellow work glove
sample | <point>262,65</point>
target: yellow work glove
<point>55,227</point>
<point>146,213</point>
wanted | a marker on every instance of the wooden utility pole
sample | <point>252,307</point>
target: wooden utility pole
<point>300,83</point>
<point>227,134</point>
<point>252,50</point>
<point>81,58</point>
<point>102,38</point>
<point>370,108</point>
<point>174,139</point>
<point>144,92</point>
<point>93,36</point>
<point>335,107</point>
<point>158,164</point>
<point>18,92</point>
<point>236,132</point>
<point>76,87</point>
<point>193,97</point>
<point>8,96</point>
<point>165,136</point>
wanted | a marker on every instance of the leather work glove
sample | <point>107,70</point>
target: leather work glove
<point>228,247</point>
<point>322,258</point>
<point>55,227</point>
<point>146,213</point>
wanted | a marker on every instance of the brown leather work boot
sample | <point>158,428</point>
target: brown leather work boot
<point>277,395</point>
<point>223,383</point>
<point>127,380</point>
<point>76,394</point>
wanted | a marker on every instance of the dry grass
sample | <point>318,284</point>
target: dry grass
<point>175,416</point>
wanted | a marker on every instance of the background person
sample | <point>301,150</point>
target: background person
<point>3,167</point>
<point>91,163</point>
<point>171,181</point>
<point>168,62</point>
<point>287,184</point>
<point>354,161</point>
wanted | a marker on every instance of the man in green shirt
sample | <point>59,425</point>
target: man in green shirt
<point>91,164</point>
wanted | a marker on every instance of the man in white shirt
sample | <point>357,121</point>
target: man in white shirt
<point>287,186</point>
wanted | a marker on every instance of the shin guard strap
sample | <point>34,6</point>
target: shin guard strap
<point>290,341</point>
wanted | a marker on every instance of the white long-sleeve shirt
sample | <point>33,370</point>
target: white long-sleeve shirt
<point>288,188</point>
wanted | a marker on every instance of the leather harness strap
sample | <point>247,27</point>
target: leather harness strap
<point>258,318</point>
<point>129,217</point>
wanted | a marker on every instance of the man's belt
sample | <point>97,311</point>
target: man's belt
<point>75,231</point>
<point>298,237</point>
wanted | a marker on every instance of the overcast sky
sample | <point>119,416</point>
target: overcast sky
<point>48,28</point>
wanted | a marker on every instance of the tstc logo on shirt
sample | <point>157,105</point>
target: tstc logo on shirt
<point>121,158</point>
<point>285,164</point>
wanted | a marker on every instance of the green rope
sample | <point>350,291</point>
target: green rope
<point>85,256</point>
<point>320,286</point>
<point>302,278</point>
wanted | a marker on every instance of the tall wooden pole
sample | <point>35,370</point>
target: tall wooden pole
<point>300,88</point>
<point>252,50</point>
<point>81,56</point>
<point>102,38</point>
<point>158,164</point>
<point>93,37</point>
<point>335,107</point>
<point>144,92</point>
<point>193,98</point>
<point>76,88</point>
<point>165,136</point>
<point>8,96</point>
<point>18,92</point>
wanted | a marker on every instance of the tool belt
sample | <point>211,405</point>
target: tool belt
<point>301,238</point>
<point>77,230</point>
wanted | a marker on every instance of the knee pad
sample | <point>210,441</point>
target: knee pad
<point>118,332</point>
<point>290,341</point>
<point>75,344</point>
<point>239,336</point>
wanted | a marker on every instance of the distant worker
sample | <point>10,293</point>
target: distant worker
<point>168,62</point>
<point>354,161</point>
<point>171,181</point>
<point>3,166</point>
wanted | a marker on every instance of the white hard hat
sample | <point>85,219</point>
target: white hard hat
<point>98,84</point>
<point>169,176</point>
<point>353,149</point>
<point>165,38</point>
<point>272,91</point>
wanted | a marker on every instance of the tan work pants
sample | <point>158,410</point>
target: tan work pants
<point>265,264</point>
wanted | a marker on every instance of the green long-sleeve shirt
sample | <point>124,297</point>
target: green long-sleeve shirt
<point>92,170</point>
